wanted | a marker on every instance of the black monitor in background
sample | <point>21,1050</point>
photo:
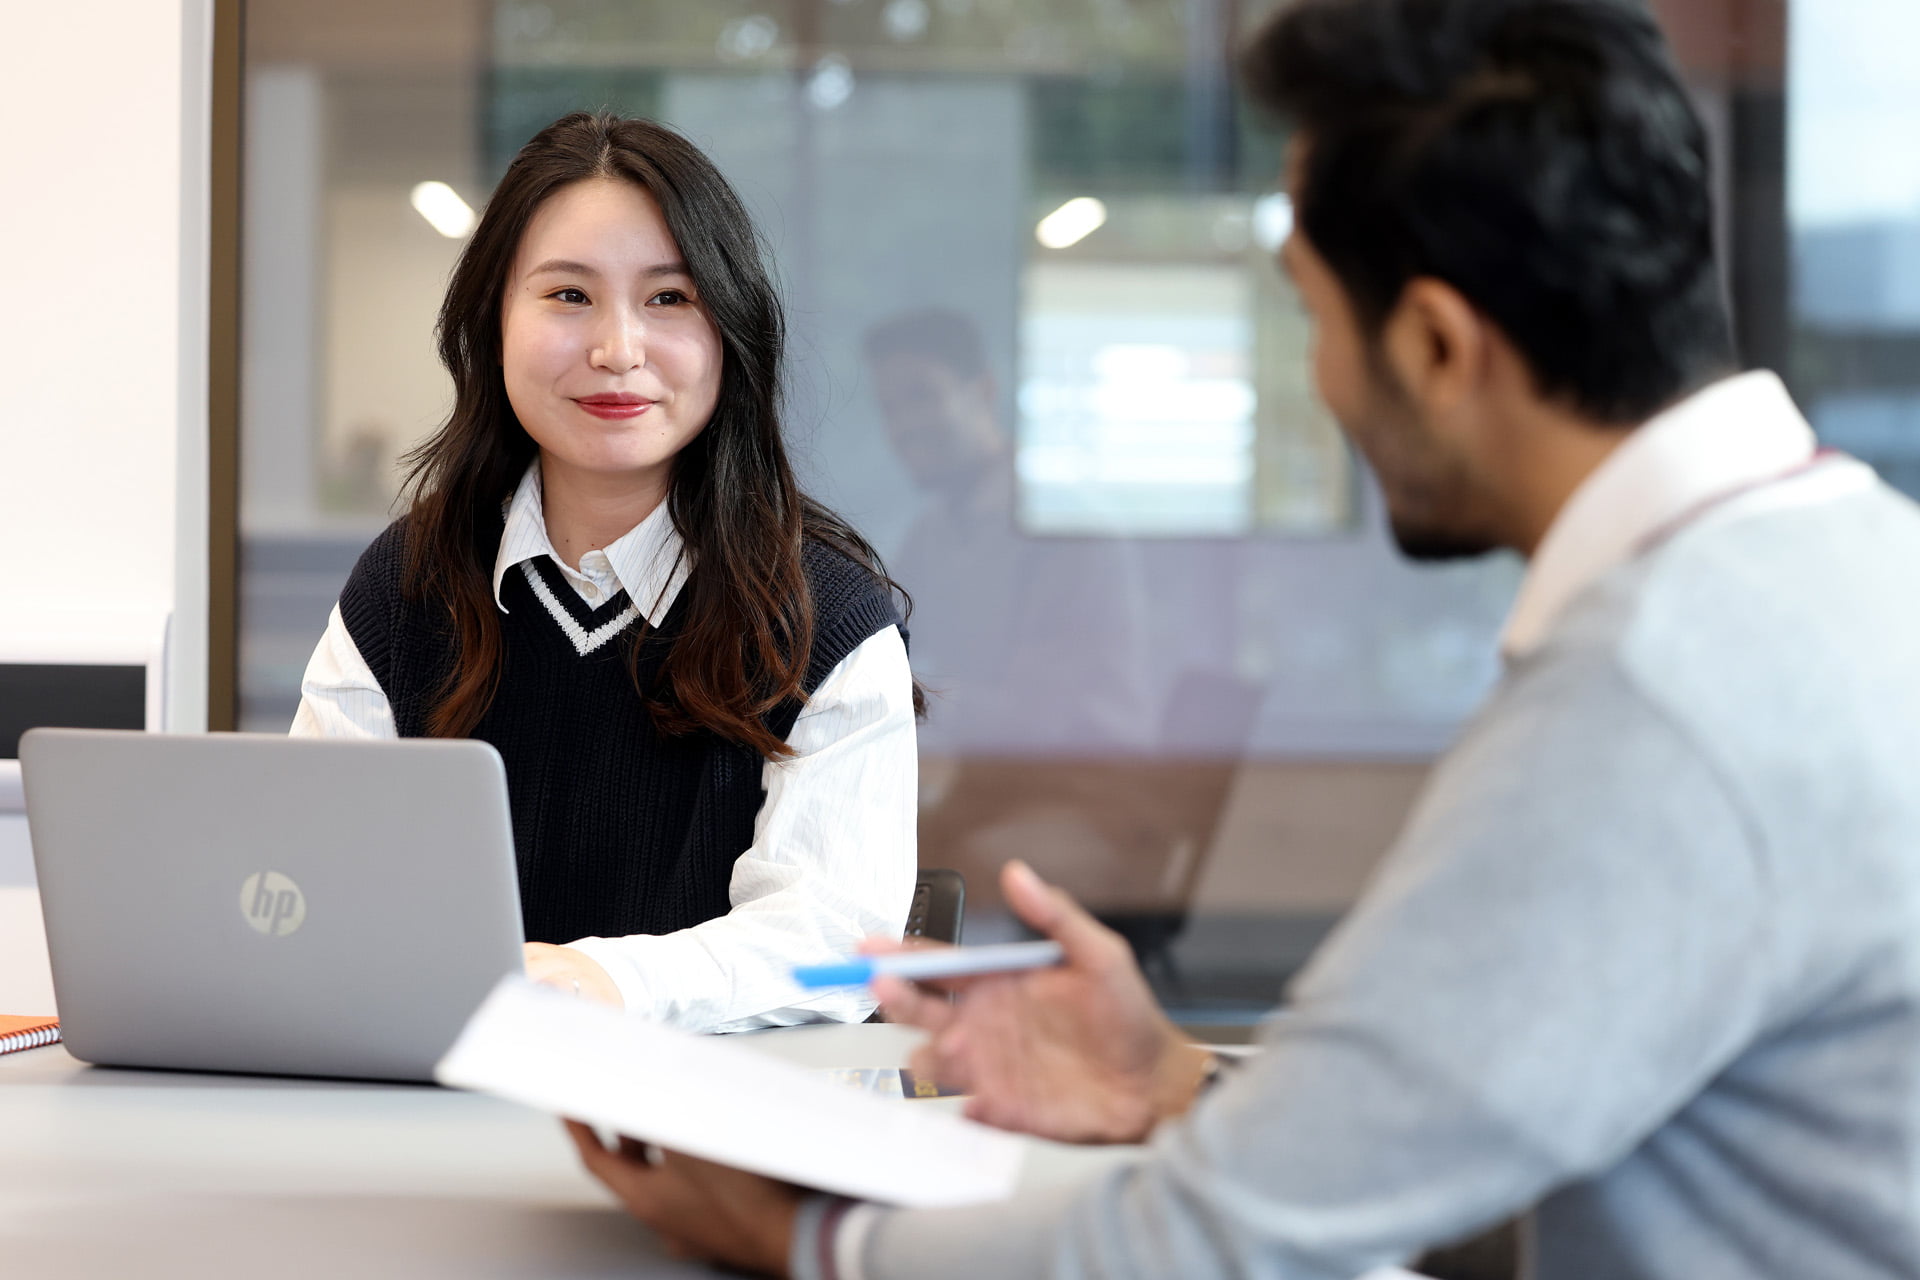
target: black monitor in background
<point>68,696</point>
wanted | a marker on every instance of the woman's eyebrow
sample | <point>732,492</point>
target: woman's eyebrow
<point>562,267</point>
<point>567,267</point>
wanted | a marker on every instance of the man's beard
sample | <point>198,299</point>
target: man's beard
<point>1434,546</point>
<point>1448,520</point>
<point>1437,487</point>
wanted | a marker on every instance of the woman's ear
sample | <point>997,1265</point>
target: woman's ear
<point>1435,342</point>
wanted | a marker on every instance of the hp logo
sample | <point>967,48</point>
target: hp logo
<point>272,903</point>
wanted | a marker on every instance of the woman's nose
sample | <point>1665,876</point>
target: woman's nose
<point>619,345</point>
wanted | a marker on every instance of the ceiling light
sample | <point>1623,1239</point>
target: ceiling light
<point>1071,223</point>
<point>442,206</point>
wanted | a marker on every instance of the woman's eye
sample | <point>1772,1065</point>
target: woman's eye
<point>670,297</point>
<point>571,296</point>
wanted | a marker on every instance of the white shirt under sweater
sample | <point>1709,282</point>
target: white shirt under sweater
<point>833,857</point>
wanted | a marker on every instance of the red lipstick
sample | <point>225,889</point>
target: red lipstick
<point>614,404</point>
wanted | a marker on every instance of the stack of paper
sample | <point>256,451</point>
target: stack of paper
<point>723,1102</point>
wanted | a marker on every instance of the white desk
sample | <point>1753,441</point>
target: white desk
<point>113,1173</point>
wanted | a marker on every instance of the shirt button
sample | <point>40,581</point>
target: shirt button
<point>590,591</point>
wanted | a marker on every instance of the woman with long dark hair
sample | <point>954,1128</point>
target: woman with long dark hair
<point>694,672</point>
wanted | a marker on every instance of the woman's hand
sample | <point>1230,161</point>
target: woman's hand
<point>1079,1053</point>
<point>702,1210</point>
<point>574,972</point>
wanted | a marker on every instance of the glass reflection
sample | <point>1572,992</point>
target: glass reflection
<point>1175,662</point>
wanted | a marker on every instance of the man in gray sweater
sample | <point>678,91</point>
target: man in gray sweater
<point>1645,963</point>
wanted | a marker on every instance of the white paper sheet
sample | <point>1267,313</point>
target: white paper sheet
<point>723,1102</point>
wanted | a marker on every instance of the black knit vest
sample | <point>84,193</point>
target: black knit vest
<point>619,829</point>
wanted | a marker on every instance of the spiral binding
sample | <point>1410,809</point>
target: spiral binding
<point>33,1039</point>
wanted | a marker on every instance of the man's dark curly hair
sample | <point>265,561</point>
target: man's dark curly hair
<point>1541,156</point>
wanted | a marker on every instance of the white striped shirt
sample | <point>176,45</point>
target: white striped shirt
<point>832,858</point>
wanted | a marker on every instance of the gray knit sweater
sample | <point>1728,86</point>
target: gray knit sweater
<point>1645,961</point>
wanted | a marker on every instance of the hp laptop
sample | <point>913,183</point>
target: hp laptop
<point>246,902</point>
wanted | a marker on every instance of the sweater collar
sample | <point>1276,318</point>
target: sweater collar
<point>1735,434</point>
<point>649,560</point>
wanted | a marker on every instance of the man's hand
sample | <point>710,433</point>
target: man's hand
<point>574,972</point>
<point>702,1210</point>
<point>1079,1053</point>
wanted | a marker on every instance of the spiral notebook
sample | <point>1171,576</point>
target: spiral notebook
<point>18,1033</point>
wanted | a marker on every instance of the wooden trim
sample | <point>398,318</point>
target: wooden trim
<point>223,370</point>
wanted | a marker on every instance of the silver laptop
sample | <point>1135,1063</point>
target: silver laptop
<point>246,902</point>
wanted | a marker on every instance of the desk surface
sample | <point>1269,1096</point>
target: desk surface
<point>110,1173</point>
<point>107,1172</point>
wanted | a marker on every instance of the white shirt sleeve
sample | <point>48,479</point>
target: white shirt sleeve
<point>833,860</point>
<point>339,695</point>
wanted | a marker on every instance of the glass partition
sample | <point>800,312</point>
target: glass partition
<point>1040,356</point>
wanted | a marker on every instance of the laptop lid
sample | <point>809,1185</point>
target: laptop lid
<point>251,902</point>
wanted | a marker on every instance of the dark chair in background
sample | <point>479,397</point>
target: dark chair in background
<point>939,905</point>
<point>938,910</point>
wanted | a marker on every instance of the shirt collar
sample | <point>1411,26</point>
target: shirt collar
<point>1734,434</point>
<point>649,559</point>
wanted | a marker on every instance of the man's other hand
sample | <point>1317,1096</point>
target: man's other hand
<point>1079,1053</point>
<point>702,1210</point>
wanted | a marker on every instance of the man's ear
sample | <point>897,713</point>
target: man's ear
<point>1436,344</point>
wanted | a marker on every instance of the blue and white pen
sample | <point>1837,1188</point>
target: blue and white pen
<point>945,962</point>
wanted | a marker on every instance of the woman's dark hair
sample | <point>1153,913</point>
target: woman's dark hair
<point>747,633</point>
<point>1541,156</point>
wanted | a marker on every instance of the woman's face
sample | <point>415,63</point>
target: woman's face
<point>611,361</point>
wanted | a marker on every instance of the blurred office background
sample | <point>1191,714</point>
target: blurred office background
<point>1041,356</point>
